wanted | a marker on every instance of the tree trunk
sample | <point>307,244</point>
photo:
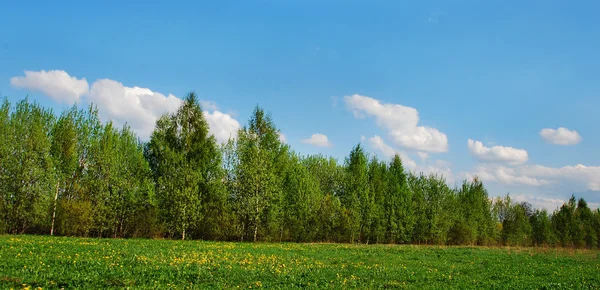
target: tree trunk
<point>255,230</point>
<point>183,234</point>
<point>54,211</point>
<point>243,232</point>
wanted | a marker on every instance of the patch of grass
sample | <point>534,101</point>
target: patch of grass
<point>60,262</point>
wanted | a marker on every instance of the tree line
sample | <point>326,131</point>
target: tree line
<point>74,175</point>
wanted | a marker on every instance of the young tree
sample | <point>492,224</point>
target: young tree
<point>329,175</point>
<point>565,224</point>
<point>541,227</point>
<point>435,208</point>
<point>378,186</point>
<point>516,229</point>
<point>301,195</point>
<point>74,138</point>
<point>356,197</point>
<point>185,160</point>
<point>64,152</point>
<point>28,169</point>
<point>587,235</point>
<point>259,184</point>
<point>5,152</point>
<point>475,212</point>
<point>132,196</point>
<point>398,204</point>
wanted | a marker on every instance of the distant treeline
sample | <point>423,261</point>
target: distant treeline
<point>73,175</point>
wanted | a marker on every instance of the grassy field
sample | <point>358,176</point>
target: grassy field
<point>77,263</point>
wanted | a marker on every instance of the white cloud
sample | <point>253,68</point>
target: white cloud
<point>362,138</point>
<point>377,143</point>
<point>141,107</point>
<point>56,84</point>
<point>401,123</point>
<point>547,203</point>
<point>138,107</point>
<point>439,167</point>
<point>222,125</point>
<point>423,155</point>
<point>497,153</point>
<point>318,140</point>
<point>576,178</point>
<point>506,175</point>
<point>560,136</point>
<point>282,138</point>
<point>208,105</point>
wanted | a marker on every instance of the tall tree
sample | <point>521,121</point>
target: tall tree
<point>259,184</point>
<point>586,231</point>
<point>434,208</point>
<point>65,154</point>
<point>185,160</point>
<point>28,169</point>
<point>301,196</point>
<point>5,152</point>
<point>475,211</point>
<point>330,214</point>
<point>378,189</point>
<point>565,223</point>
<point>356,197</point>
<point>541,227</point>
<point>399,204</point>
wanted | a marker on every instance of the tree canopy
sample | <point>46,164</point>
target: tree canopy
<point>71,174</point>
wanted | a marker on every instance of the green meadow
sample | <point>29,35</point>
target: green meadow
<point>33,262</point>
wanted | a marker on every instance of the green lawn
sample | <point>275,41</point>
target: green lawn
<point>58,262</point>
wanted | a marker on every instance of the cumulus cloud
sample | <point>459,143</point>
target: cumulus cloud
<point>222,126</point>
<point>423,155</point>
<point>401,123</point>
<point>377,143</point>
<point>318,140</point>
<point>56,84</point>
<point>136,106</point>
<point>497,153</point>
<point>560,136</point>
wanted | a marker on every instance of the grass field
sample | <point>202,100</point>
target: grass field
<point>77,263</point>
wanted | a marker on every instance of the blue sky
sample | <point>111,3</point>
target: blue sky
<point>497,72</point>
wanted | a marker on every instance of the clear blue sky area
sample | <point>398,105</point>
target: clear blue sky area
<point>497,72</point>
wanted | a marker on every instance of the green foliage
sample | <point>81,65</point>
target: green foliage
<point>185,162</point>
<point>516,228</point>
<point>258,176</point>
<point>27,168</point>
<point>74,175</point>
<point>357,197</point>
<point>399,204</point>
<point>542,229</point>
<point>434,206</point>
<point>475,212</point>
